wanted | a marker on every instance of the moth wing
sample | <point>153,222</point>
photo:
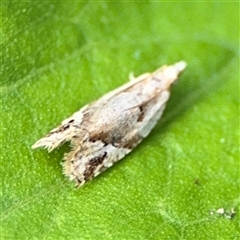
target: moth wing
<point>63,133</point>
<point>92,158</point>
<point>81,166</point>
<point>153,110</point>
<point>73,125</point>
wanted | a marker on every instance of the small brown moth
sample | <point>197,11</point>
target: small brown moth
<point>104,131</point>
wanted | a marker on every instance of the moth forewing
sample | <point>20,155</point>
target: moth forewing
<point>104,131</point>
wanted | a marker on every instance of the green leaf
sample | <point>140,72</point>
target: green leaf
<point>59,56</point>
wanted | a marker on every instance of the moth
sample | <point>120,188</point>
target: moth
<point>104,131</point>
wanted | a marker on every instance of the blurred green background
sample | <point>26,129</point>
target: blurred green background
<point>59,56</point>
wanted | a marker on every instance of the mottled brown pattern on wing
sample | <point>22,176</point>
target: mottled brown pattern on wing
<point>104,131</point>
<point>92,165</point>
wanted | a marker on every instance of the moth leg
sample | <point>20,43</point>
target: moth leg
<point>139,78</point>
<point>131,76</point>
